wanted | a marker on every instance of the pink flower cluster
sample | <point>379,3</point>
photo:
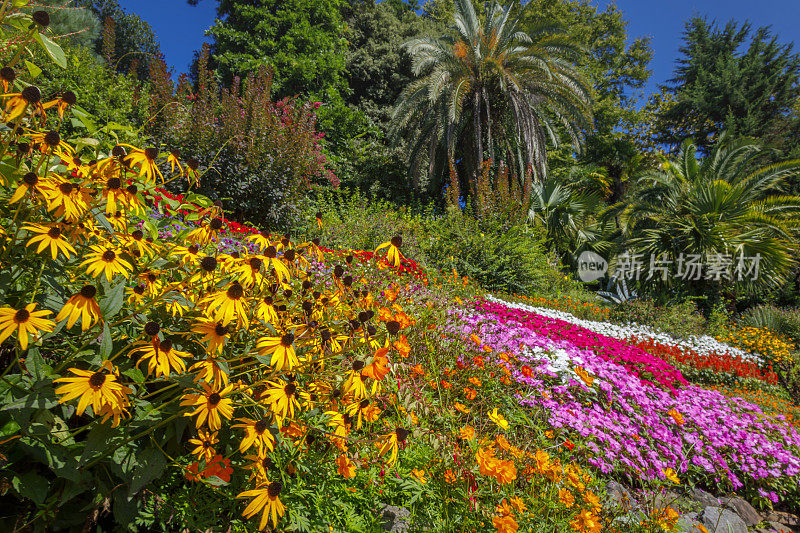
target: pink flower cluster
<point>622,421</point>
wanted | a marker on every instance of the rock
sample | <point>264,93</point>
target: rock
<point>718,520</point>
<point>778,528</point>
<point>745,511</point>
<point>703,498</point>
<point>395,519</point>
<point>620,496</point>
<point>785,519</point>
<point>689,523</point>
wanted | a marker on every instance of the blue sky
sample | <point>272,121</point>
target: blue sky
<point>180,27</point>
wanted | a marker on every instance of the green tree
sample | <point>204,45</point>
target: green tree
<point>566,215</point>
<point>302,41</point>
<point>80,25</point>
<point>488,91</point>
<point>727,203</point>
<point>725,83</point>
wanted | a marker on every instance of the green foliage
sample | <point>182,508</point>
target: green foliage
<point>301,40</point>
<point>784,321</point>
<point>725,83</point>
<point>490,90</point>
<point>726,203</point>
<point>79,25</point>
<point>681,319</point>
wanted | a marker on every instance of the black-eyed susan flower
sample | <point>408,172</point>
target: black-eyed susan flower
<point>173,158</point>
<point>211,405</point>
<point>106,260</point>
<point>228,305</point>
<point>282,398</point>
<point>281,349</point>
<point>25,322</point>
<point>49,237</point>
<point>204,445</point>
<point>99,389</point>
<point>206,232</point>
<point>146,160</point>
<point>393,254</point>
<point>161,357</point>
<point>262,239</point>
<point>214,333</point>
<point>249,271</point>
<point>30,183</point>
<point>265,500</point>
<point>83,306</point>
<point>114,194</point>
<point>256,433</point>
<point>62,103</point>
<point>7,77</point>
<point>266,311</point>
<point>390,443</point>
<point>66,199</point>
<point>279,269</point>
<point>211,371</point>
<point>136,242</point>
<point>18,103</point>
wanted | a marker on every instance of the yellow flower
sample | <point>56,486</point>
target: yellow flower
<point>672,476</point>
<point>265,497</point>
<point>393,254</point>
<point>282,350</point>
<point>225,306</point>
<point>498,419</point>
<point>566,497</point>
<point>99,389</point>
<point>146,159</point>
<point>204,444</point>
<point>282,397</point>
<point>25,322</point>
<point>162,358</point>
<point>467,433</point>
<point>104,260</point>
<point>420,475</point>
<point>256,432</point>
<point>49,237</point>
<point>505,524</point>
<point>390,443</point>
<point>83,306</point>
<point>210,404</point>
<point>214,333</point>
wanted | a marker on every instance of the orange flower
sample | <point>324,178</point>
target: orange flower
<point>470,393</point>
<point>467,433</point>
<point>379,367</point>
<point>345,467</point>
<point>475,381</point>
<point>402,347</point>
<point>676,416</point>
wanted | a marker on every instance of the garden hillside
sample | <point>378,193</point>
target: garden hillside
<point>278,303</point>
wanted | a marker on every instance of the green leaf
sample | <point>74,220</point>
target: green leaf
<point>113,300</point>
<point>32,485</point>
<point>151,463</point>
<point>33,69</point>
<point>135,374</point>
<point>125,510</point>
<point>97,441</point>
<point>53,50</point>
<point>216,481</point>
<point>35,363</point>
<point>106,343</point>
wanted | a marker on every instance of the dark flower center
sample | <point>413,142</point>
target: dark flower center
<point>268,300</point>
<point>261,426</point>
<point>268,463</point>
<point>274,489</point>
<point>52,138</point>
<point>319,214</point>
<point>137,234</point>
<point>97,379</point>
<point>151,153</point>
<point>235,291</point>
<point>42,18</point>
<point>109,256</point>
<point>255,263</point>
<point>113,184</point>
<point>88,291</point>
<point>192,163</point>
<point>151,328</point>
<point>397,241</point>
<point>216,224</point>
<point>213,399</point>
<point>139,289</point>
<point>393,327</point>
<point>338,271</point>
<point>151,277</point>
<point>165,345</point>
<point>193,249</point>
<point>357,365</point>
<point>118,151</point>
<point>30,178</point>
<point>66,188</point>
<point>31,94</point>
<point>364,403</point>
<point>289,255</point>
<point>206,444</point>
<point>8,74</point>
<point>402,434</point>
<point>54,233</point>
<point>21,316</point>
<point>290,389</point>
<point>69,98</point>
<point>287,340</point>
<point>221,330</point>
<point>208,263</point>
<point>132,188</point>
<point>315,241</point>
<point>271,252</point>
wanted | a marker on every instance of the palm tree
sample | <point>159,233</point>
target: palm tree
<point>490,92</point>
<point>566,215</point>
<point>727,204</point>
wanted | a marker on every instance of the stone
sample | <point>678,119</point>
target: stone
<point>703,498</point>
<point>776,527</point>
<point>688,523</point>
<point>787,519</point>
<point>620,496</point>
<point>745,511</point>
<point>395,519</point>
<point>719,520</point>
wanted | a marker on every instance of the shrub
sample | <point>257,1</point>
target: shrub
<point>680,320</point>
